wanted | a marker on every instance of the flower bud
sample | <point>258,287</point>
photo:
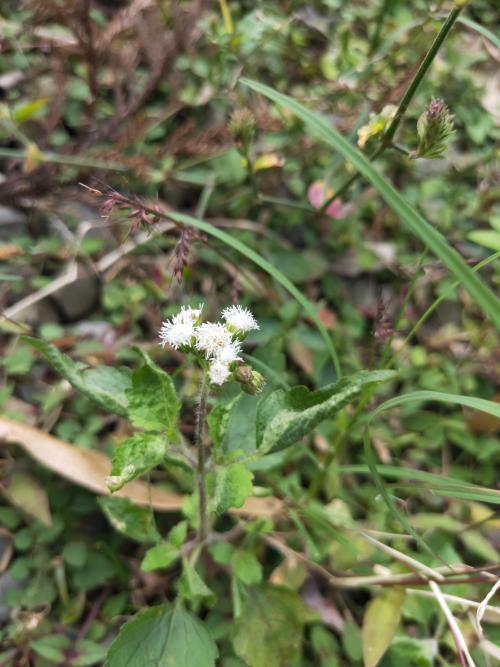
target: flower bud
<point>434,129</point>
<point>252,382</point>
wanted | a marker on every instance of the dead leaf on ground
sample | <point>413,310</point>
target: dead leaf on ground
<point>8,250</point>
<point>88,468</point>
<point>481,422</point>
<point>25,492</point>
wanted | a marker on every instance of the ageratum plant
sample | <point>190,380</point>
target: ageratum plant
<point>210,538</point>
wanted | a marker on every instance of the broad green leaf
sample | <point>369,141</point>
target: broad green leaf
<point>351,641</point>
<point>136,456</point>
<point>284,417</point>
<point>163,636</point>
<point>239,432</point>
<point>246,567</point>
<point>477,544</point>
<point>177,534</point>
<point>430,235</point>
<point>233,485</point>
<point>325,646</point>
<point>249,253</point>
<point>75,553</point>
<point>268,632</point>
<point>160,556</point>
<point>440,521</point>
<point>380,622</point>
<point>88,653</point>
<point>486,237</point>
<point>191,585</point>
<point>152,399</point>
<point>28,110</point>
<point>132,520</point>
<point>51,647</point>
<point>106,386</point>
<point>412,652</point>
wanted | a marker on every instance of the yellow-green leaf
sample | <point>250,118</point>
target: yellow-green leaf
<point>380,623</point>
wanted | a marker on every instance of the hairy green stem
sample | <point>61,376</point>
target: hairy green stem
<point>201,414</point>
<point>404,103</point>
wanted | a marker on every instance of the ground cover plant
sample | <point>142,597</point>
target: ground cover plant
<point>250,362</point>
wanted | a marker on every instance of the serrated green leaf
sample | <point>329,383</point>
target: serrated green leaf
<point>160,556</point>
<point>163,636</point>
<point>152,399</point>
<point>268,632</point>
<point>132,520</point>
<point>136,456</point>
<point>177,534</point>
<point>233,485</point>
<point>246,567</point>
<point>105,385</point>
<point>284,417</point>
<point>380,622</point>
<point>191,585</point>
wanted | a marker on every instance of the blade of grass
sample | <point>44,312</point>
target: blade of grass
<point>266,266</point>
<point>481,404</point>
<point>436,242</point>
<point>476,403</point>
<point>481,30</point>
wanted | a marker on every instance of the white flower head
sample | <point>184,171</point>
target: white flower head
<point>180,329</point>
<point>218,372</point>
<point>239,319</point>
<point>177,334</point>
<point>229,353</point>
<point>188,314</point>
<point>212,338</point>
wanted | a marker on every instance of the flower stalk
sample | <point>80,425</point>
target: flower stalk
<point>201,414</point>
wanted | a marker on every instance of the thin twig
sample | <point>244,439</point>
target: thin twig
<point>454,628</point>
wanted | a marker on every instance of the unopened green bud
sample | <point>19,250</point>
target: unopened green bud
<point>252,382</point>
<point>242,126</point>
<point>434,129</point>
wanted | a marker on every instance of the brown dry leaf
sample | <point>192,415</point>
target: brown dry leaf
<point>8,250</point>
<point>6,548</point>
<point>26,493</point>
<point>88,468</point>
<point>482,422</point>
<point>302,355</point>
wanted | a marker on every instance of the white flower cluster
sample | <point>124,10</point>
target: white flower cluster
<point>220,343</point>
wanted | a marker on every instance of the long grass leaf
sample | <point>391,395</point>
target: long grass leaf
<point>436,242</point>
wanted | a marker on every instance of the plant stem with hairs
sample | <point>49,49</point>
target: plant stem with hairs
<point>387,139</point>
<point>201,414</point>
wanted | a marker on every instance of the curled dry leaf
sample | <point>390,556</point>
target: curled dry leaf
<point>88,468</point>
